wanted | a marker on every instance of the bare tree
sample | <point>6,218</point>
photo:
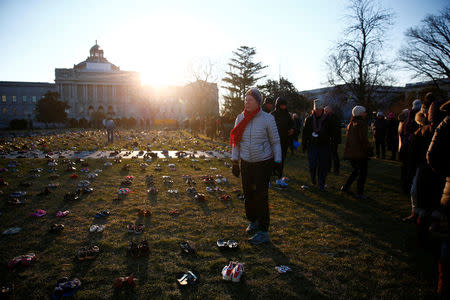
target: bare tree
<point>357,63</point>
<point>202,91</point>
<point>427,48</point>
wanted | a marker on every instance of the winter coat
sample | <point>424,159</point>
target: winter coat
<point>260,140</point>
<point>429,184</point>
<point>324,135</point>
<point>392,134</point>
<point>335,124</point>
<point>284,122</point>
<point>438,154</point>
<point>380,129</point>
<point>357,144</point>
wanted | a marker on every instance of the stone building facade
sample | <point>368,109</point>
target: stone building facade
<point>96,87</point>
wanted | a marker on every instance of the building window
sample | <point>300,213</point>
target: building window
<point>14,99</point>
<point>24,99</point>
<point>33,99</point>
<point>4,110</point>
<point>3,98</point>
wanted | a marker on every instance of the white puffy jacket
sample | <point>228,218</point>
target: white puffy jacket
<point>260,140</point>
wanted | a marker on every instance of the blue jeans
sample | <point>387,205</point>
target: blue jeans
<point>319,158</point>
<point>110,133</point>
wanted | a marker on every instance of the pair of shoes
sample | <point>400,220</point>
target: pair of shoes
<point>65,288</point>
<point>224,244</point>
<point>144,212</point>
<point>233,271</point>
<point>97,228</point>
<point>252,227</point>
<point>56,228</point>
<point>138,250</point>
<point>87,253</point>
<point>125,282</point>
<point>138,229</point>
<point>188,247</point>
<point>102,214</point>
<point>260,237</point>
<point>281,184</point>
<point>24,260</point>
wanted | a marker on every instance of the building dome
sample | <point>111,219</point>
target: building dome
<point>96,51</point>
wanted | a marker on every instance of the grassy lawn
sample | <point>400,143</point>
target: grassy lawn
<point>336,246</point>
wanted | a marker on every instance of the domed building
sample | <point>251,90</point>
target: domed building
<point>96,85</point>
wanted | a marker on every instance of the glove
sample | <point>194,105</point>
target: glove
<point>235,169</point>
<point>277,169</point>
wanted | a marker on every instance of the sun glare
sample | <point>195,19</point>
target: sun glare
<point>161,48</point>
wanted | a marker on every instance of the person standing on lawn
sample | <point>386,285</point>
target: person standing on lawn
<point>392,135</point>
<point>336,138</point>
<point>285,127</point>
<point>316,139</point>
<point>256,144</point>
<point>297,129</point>
<point>357,150</point>
<point>379,134</point>
<point>110,130</point>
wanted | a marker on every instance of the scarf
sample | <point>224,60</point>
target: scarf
<point>237,132</point>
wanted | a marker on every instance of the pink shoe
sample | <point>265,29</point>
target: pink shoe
<point>39,213</point>
<point>61,214</point>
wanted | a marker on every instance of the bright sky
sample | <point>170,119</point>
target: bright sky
<point>161,39</point>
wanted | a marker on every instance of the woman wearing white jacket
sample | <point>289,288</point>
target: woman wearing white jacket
<point>256,143</point>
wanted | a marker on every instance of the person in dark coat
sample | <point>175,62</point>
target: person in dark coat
<point>297,126</point>
<point>357,150</point>
<point>268,105</point>
<point>406,131</point>
<point>285,125</point>
<point>379,134</point>
<point>435,115</point>
<point>426,187</point>
<point>392,135</point>
<point>438,159</point>
<point>316,139</point>
<point>336,139</point>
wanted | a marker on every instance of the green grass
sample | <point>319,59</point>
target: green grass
<point>338,247</point>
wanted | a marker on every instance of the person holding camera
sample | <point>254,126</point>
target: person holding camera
<point>256,144</point>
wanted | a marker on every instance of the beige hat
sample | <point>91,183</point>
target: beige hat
<point>358,110</point>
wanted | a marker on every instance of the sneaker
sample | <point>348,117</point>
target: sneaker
<point>253,226</point>
<point>259,238</point>
<point>227,271</point>
<point>237,273</point>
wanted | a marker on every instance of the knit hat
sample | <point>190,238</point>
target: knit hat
<point>416,104</point>
<point>358,110</point>
<point>318,104</point>
<point>255,93</point>
<point>269,100</point>
<point>280,101</point>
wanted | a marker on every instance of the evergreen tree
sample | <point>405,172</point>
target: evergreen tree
<point>50,110</point>
<point>286,89</point>
<point>243,74</point>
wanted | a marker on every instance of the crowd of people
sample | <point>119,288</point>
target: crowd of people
<point>265,130</point>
